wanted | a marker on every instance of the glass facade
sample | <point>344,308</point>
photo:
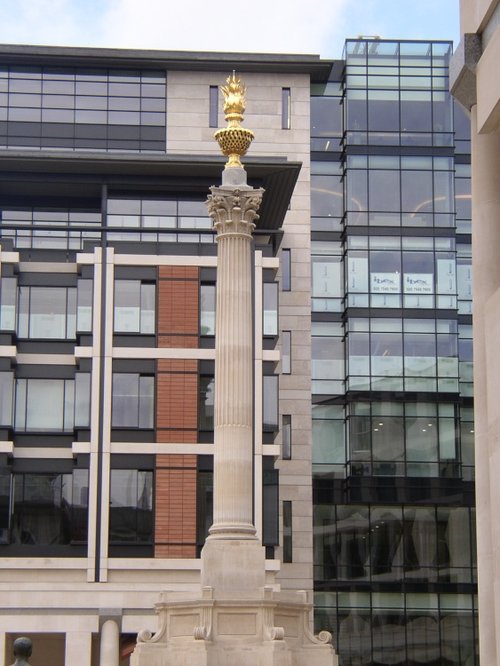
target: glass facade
<point>82,109</point>
<point>394,551</point>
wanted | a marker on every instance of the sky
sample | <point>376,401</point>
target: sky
<point>265,26</point>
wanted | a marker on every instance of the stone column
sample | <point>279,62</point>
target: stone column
<point>110,644</point>
<point>233,206</point>
<point>78,648</point>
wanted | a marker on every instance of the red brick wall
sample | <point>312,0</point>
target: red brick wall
<point>175,515</point>
<point>176,412</point>
<point>178,306</point>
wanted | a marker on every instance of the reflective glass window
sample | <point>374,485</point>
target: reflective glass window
<point>132,401</point>
<point>47,312</point>
<point>131,506</point>
<point>134,307</point>
<point>270,308</point>
<point>207,309</point>
<point>44,405</point>
<point>49,508</point>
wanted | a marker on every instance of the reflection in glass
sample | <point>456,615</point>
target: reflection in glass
<point>131,506</point>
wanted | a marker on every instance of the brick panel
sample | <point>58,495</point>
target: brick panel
<point>178,306</point>
<point>177,400</point>
<point>175,506</point>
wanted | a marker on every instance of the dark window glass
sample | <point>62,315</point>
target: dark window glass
<point>286,352</point>
<point>213,106</point>
<point>270,402</point>
<point>287,532</point>
<point>270,508</point>
<point>286,270</point>
<point>286,108</point>
<point>4,507</point>
<point>207,309</point>
<point>206,403</point>
<point>326,116</point>
<point>50,508</point>
<point>286,436</point>
<point>131,506</point>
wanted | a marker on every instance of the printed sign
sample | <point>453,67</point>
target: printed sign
<point>418,283</point>
<point>385,283</point>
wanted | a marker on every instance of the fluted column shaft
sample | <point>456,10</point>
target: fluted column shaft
<point>234,210</point>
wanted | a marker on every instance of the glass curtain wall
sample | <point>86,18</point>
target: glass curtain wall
<point>395,564</point>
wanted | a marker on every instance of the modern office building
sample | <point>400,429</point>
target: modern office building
<point>476,85</point>
<point>362,300</point>
<point>391,358</point>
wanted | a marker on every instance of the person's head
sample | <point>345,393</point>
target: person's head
<point>22,647</point>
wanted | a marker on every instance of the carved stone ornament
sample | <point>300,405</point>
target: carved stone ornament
<point>234,211</point>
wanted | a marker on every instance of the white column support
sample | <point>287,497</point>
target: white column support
<point>3,643</point>
<point>78,648</point>
<point>109,654</point>
<point>234,208</point>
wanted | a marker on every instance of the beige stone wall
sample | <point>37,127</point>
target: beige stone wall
<point>482,17</point>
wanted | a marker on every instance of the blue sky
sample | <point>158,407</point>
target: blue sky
<point>268,26</point>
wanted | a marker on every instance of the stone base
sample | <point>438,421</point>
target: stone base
<point>229,565</point>
<point>269,629</point>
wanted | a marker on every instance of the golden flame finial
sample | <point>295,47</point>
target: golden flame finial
<point>234,140</point>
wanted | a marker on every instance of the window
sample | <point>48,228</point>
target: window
<point>286,270</point>
<point>159,220</point>
<point>327,276</point>
<point>286,436</point>
<point>419,355</point>
<point>71,107</point>
<point>45,405</point>
<point>286,352</point>
<point>270,403</point>
<point>84,306</point>
<point>8,298</point>
<point>213,103</point>
<point>393,543</point>
<point>131,507</point>
<point>206,403</point>
<point>47,313</point>
<point>328,435</point>
<point>287,531</point>
<point>270,308</point>
<point>53,228</point>
<point>383,435</point>
<point>207,309</point>
<point>133,401</point>
<point>134,307</point>
<point>6,398</point>
<point>46,508</point>
<point>327,358</point>
<point>286,108</point>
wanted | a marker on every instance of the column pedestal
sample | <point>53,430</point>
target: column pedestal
<point>236,619</point>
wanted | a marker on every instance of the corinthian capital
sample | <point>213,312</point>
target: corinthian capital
<point>234,211</point>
